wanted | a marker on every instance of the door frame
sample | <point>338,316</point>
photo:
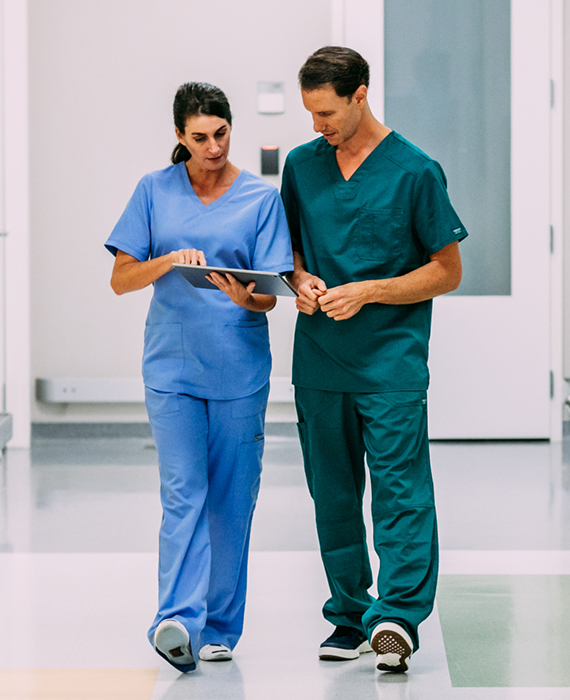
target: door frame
<point>557,219</point>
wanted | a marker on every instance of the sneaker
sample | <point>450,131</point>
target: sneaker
<point>172,642</point>
<point>215,652</point>
<point>343,644</point>
<point>393,645</point>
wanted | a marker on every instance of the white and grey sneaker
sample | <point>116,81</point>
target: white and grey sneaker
<point>215,652</point>
<point>393,645</point>
<point>172,642</point>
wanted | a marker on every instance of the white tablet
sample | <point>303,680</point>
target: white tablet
<point>265,282</point>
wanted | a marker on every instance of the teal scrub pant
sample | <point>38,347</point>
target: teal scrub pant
<point>337,432</point>
<point>209,455</point>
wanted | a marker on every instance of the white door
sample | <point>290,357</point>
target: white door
<point>469,83</point>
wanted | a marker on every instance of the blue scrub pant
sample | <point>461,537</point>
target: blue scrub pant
<point>209,455</point>
<point>337,431</point>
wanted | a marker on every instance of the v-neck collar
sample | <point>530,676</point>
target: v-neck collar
<point>347,188</point>
<point>228,194</point>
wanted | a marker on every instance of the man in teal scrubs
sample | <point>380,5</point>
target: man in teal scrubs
<point>375,238</point>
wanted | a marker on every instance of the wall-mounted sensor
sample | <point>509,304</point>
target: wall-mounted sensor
<point>270,98</point>
<point>269,160</point>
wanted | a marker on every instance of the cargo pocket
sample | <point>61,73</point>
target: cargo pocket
<point>302,429</point>
<point>249,459</point>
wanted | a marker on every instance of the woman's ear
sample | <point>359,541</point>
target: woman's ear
<point>179,135</point>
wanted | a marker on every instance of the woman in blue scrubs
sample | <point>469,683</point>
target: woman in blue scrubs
<point>206,368</point>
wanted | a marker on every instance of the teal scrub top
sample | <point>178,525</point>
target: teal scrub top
<point>197,341</point>
<point>385,221</point>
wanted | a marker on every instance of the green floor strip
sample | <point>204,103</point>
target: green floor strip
<point>506,631</point>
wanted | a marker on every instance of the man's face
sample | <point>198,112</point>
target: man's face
<point>336,118</point>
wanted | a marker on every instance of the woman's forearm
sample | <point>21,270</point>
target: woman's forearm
<point>130,275</point>
<point>261,302</point>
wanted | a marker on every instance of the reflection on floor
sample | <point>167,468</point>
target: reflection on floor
<point>78,533</point>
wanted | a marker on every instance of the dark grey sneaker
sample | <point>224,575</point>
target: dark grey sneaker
<point>344,643</point>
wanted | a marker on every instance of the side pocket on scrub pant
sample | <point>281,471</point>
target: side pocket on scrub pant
<point>160,403</point>
<point>378,234</point>
<point>406,398</point>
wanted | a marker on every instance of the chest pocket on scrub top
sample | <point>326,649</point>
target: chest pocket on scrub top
<point>378,234</point>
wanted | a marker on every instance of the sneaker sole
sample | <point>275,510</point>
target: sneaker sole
<point>171,638</point>
<point>339,654</point>
<point>393,651</point>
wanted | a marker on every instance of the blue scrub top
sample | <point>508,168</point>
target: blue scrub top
<point>197,341</point>
<point>385,221</point>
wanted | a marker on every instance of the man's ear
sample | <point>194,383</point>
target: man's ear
<point>360,94</point>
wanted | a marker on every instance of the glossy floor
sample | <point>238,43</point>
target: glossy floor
<point>78,533</point>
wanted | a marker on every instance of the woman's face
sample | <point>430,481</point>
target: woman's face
<point>207,138</point>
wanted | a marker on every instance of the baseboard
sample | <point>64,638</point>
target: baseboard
<point>90,430</point>
<point>64,431</point>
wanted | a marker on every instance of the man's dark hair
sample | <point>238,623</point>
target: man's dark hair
<point>343,68</point>
<point>197,98</point>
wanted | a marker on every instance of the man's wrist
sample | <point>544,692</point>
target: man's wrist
<point>375,291</point>
<point>297,277</point>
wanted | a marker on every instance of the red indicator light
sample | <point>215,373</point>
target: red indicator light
<point>269,148</point>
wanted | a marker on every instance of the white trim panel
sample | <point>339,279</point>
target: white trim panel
<point>15,59</point>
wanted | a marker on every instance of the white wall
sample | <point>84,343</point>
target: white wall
<point>103,74</point>
<point>102,78</point>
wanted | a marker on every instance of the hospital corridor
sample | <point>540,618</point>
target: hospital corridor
<point>78,586</point>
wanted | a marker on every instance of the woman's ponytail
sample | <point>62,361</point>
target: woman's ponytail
<point>180,154</point>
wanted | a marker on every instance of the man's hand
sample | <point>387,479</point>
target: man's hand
<point>310,291</point>
<point>344,302</point>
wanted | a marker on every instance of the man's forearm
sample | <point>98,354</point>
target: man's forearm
<point>440,275</point>
<point>429,281</point>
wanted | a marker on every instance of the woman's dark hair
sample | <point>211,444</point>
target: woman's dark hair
<point>343,68</point>
<point>197,98</point>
